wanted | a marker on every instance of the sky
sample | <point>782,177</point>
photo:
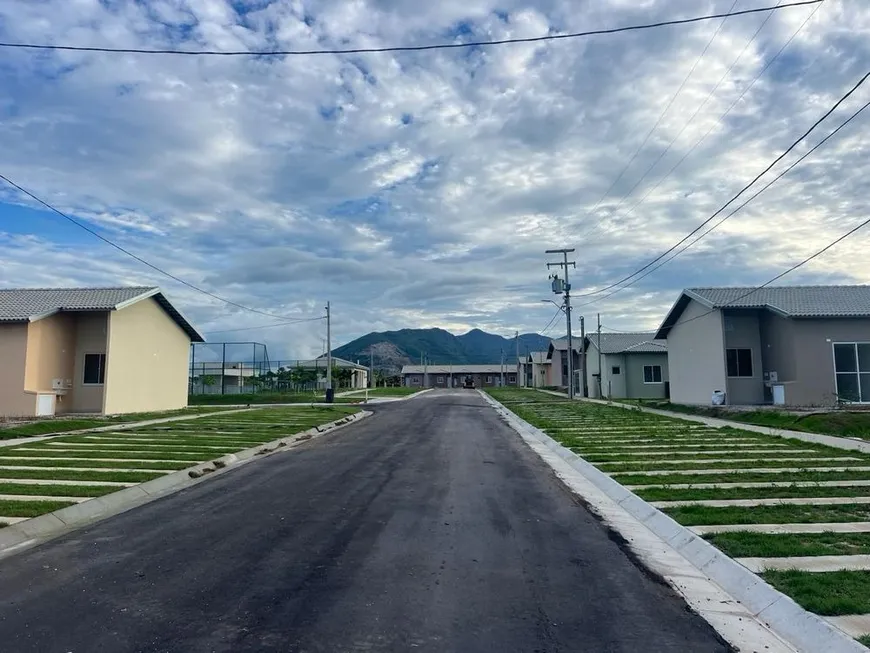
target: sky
<point>421,189</point>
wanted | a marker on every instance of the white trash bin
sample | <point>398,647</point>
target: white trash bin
<point>718,398</point>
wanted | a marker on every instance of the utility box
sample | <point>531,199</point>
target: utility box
<point>61,386</point>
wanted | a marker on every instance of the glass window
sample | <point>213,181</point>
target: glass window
<point>652,373</point>
<point>847,387</point>
<point>739,362</point>
<point>845,358</point>
<point>615,369</point>
<point>95,369</point>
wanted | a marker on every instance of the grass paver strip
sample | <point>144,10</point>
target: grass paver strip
<point>56,490</point>
<point>768,463</point>
<point>762,545</point>
<point>30,508</point>
<point>743,477</point>
<point>829,593</point>
<point>670,494</point>
<point>123,465</point>
<point>680,454</point>
<point>695,515</point>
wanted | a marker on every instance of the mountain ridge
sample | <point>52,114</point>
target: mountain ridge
<point>393,349</point>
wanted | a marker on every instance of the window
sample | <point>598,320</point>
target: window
<point>489,379</point>
<point>739,362</point>
<point>512,378</point>
<point>95,369</point>
<point>615,369</point>
<point>652,373</point>
<point>440,380</point>
<point>852,371</point>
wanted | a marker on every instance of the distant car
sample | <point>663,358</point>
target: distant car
<point>469,383</point>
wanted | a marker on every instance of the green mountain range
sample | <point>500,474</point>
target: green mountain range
<point>393,349</point>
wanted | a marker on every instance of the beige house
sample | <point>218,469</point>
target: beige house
<point>92,350</point>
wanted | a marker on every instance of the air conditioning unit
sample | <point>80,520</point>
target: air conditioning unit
<point>61,386</point>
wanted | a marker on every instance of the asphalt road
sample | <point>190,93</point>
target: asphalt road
<point>428,527</point>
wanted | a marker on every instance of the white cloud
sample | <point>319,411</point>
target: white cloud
<point>420,189</point>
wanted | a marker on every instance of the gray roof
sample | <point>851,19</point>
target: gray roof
<point>31,304</point>
<point>509,368</point>
<point>629,343</point>
<point>562,344</point>
<point>539,357</point>
<point>320,361</point>
<point>787,301</point>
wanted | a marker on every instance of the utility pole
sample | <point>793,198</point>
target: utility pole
<point>371,382</point>
<point>502,367</point>
<point>559,287</point>
<point>600,370</point>
<point>517,338</point>
<point>328,353</point>
<point>583,355</point>
<point>425,370</point>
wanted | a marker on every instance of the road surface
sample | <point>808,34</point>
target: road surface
<point>427,527</point>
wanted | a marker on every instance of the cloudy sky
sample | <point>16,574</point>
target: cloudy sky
<point>421,189</point>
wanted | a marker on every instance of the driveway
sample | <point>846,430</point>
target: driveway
<point>428,527</point>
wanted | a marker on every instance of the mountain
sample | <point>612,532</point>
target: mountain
<point>393,349</point>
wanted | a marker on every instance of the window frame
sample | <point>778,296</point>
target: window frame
<point>101,369</point>
<point>857,373</point>
<point>616,370</point>
<point>751,374</point>
<point>652,375</point>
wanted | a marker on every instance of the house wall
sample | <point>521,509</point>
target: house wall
<point>51,354</point>
<point>14,401</point>
<point>742,330</point>
<point>633,376</point>
<point>613,384</point>
<point>591,371</point>
<point>147,360</point>
<point>778,353</point>
<point>91,338</point>
<point>813,354</point>
<point>696,360</point>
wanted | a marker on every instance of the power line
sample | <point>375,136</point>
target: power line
<point>551,323</point>
<point>824,249</point>
<point>268,326</point>
<point>141,260</point>
<point>686,126</point>
<point>652,130</point>
<point>726,112</point>
<point>407,48</point>
<point>735,197</point>
<point>764,188</point>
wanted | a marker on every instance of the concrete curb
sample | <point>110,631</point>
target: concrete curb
<point>802,629</point>
<point>31,532</point>
<point>848,444</point>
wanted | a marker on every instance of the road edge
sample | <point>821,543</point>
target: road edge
<point>32,532</point>
<point>773,610</point>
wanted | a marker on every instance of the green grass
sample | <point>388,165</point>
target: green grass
<point>738,477</point>
<point>67,475</point>
<point>57,490</point>
<point>694,515</point>
<point>830,593</point>
<point>764,545</point>
<point>865,640</point>
<point>61,424</point>
<point>149,464</point>
<point>765,463</point>
<point>700,494</point>
<point>30,508</point>
<point>47,455</point>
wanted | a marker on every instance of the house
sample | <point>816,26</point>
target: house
<point>791,345</point>
<point>454,376</point>
<point>634,366</point>
<point>92,350</point>
<point>359,374</point>
<point>537,370</point>
<point>557,355</point>
<point>217,378</point>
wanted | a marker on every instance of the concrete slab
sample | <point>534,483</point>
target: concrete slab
<point>51,481</point>
<point>707,461</point>
<point>687,451</point>
<point>724,486</point>
<point>816,564</point>
<point>749,503</point>
<point>12,520</point>
<point>19,459</point>
<point>689,447</point>
<point>853,625</point>
<point>36,497</point>
<point>85,469</point>
<point>784,529</point>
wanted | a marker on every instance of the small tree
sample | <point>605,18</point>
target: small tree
<point>208,380</point>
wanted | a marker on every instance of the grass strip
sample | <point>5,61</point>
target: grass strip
<point>741,477</point>
<point>146,464</point>
<point>782,514</point>
<point>70,475</point>
<point>30,508</point>
<point>263,398</point>
<point>739,544</point>
<point>829,594</point>
<point>56,490</point>
<point>75,455</point>
<point>688,456</point>
<point>865,640</point>
<point>743,464</point>
<point>667,494</point>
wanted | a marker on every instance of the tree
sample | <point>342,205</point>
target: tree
<point>208,380</point>
<point>342,375</point>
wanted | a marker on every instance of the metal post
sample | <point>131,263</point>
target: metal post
<point>192,383</point>
<point>328,349</point>
<point>502,367</point>
<point>223,368</point>
<point>583,356</point>
<point>371,383</point>
<point>519,369</point>
<point>425,371</point>
<point>566,264</point>
<point>600,369</point>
